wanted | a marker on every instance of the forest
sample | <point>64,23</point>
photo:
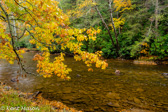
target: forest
<point>91,55</point>
<point>129,29</point>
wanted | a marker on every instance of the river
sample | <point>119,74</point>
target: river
<point>138,86</point>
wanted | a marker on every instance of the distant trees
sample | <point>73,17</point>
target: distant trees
<point>128,25</point>
<point>116,6</point>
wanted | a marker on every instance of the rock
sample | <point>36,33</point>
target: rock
<point>89,110</point>
<point>78,75</point>
<point>67,97</point>
<point>136,100</point>
<point>93,93</point>
<point>136,110</point>
<point>165,75</point>
<point>91,88</point>
<point>113,95</point>
<point>130,99</point>
<point>14,80</point>
<point>7,88</point>
<point>67,90</point>
<point>144,62</point>
<point>95,82</point>
<point>113,104</point>
<point>139,90</point>
<point>117,72</point>
<point>34,95</point>
<point>103,109</point>
<point>96,107</point>
<point>59,91</point>
<point>50,90</point>
<point>84,92</point>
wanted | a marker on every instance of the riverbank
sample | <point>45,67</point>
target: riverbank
<point>150,60</point>
<point>16,101</point>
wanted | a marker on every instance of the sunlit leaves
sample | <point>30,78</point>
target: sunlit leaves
<point>82,8</point>
<point>118,22</point>
<point>47,68</point>
<point>6,49</point>
<point>122,5</point>
<point>48,27</point>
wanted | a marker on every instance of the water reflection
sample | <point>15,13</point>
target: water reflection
<point>138,86</point>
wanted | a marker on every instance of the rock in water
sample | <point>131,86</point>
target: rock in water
<point>136,100</point>
<point>14,80</point>
<point>117,72</point>
<point>78,75</point>
<point>165,75</point>
<point>113,104</point>
<point>136,110</point>
<point>7,88</point>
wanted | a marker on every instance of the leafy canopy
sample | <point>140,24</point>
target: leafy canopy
<point>48,27</point>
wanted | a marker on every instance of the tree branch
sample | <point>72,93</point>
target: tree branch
<point>12,39</point>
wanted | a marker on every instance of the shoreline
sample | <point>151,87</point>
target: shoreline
<point>14,100</point>
<point>140,61</point>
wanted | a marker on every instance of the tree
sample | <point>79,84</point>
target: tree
<point>118,6</point>
<point>48,27</point>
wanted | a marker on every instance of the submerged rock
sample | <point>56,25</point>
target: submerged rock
<point>113,95</point>
<point>139,90</point>
<point>136,100</point>
<point>136,110</point>
<point>113,104</point>
<point>67,90</point>
<point>67,97</point>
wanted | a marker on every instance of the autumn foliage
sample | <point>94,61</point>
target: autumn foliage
<point>48,26</point>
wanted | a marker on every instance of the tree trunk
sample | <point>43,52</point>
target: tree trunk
<point>156,17</point>
<point>119,29</point>
<point>101,17</point>
<point>111,16</point>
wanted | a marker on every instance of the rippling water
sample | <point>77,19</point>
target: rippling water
<point>138,86</point>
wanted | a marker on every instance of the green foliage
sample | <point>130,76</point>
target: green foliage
<point>139,28</point>
<point>160,47</point>
<point>24,43</point>
<point>11,102</point>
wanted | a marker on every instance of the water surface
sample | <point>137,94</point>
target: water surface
<point>138,86</point>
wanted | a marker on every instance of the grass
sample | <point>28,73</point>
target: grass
<point>10,101</point>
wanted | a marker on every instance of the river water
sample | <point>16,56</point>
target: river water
<point>138,86</point>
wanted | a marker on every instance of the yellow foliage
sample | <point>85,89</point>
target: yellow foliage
<point>47,25</point>
<point>145,48</point>
<point>122,5</point>
<point>118,22</point>
<point>82,8</point>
